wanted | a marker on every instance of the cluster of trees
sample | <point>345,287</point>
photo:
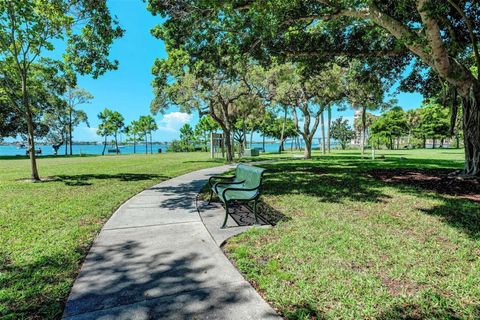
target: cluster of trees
<point>248,96</point>
<point>112,123</point>
<point>432,121</point>
<point>215,47</point>
<point>269,125</point>
<point>35,86</point>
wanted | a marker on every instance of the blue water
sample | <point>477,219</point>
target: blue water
<point>79,149</point>
<point>47,150</point>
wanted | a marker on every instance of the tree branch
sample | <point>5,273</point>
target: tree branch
<point>471,34</point>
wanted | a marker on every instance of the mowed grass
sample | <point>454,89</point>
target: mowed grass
<point>47,228</point>
<point>359,248</point>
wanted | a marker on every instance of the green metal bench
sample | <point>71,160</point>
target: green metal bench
<point>243,187</point>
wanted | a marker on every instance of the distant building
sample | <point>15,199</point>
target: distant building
<point>357,126</point>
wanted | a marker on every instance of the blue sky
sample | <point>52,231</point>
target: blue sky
<point>128,89</point>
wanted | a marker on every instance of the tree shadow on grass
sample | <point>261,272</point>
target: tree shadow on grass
<point>460,199</point>
<point>326,183</point>
<point>412,312</point>
<point>390,162</point>
<point>336,182</point>
<point>84,179</point>
<point>460,214</point>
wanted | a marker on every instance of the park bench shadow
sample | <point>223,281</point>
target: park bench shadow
<point>242,213</point>
<point>85,179</point>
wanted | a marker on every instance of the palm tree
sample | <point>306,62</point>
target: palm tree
<point>104,129</point>
<point>147,125</point>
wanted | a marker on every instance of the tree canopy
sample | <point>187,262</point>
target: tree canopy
<point>440,41</point>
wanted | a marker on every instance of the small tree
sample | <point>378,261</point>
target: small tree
<point>146,125</point>
<point>342,132</point>
<point>105,128</point>
<point>278,128</point>
<point>74,97</point>
<point>116,121</point>
<point>187,134</point>
<point>30,29</point>
<point>434,123</point>
<point>390,125</point>
<point>204,128</point>
<point>134,132</point>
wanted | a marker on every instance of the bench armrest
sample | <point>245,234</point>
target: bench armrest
<point>226,183</point>
<point>211,179</point>
<point>238,189</point>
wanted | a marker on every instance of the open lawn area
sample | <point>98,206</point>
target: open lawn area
<point>392,238</point>
<point>363,241</point>
<point>47,228</point>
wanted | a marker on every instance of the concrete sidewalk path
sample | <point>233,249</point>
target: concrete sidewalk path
<point>155,259</point>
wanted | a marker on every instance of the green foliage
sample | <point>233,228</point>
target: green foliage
<point>187,135</point>
<point>390,125</point>
<point>434,122</point>
<point>180,146</point>
<point>272,126</point>
<point>342,132</point>
<point>112,123</point>
<point>29,31</point>
<point>146,124</point>
<point>205,126</point>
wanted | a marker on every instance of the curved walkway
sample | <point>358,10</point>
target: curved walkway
<point>155,259</point>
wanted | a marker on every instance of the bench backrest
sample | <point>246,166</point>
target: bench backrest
<point>251,175</point>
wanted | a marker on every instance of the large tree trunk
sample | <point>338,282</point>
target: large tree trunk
<point>31,131</point>
<point>471,129</point>
<point>31,143</point>
<point>228,144</point>
<point>308,147</point>
<point>223,122</point>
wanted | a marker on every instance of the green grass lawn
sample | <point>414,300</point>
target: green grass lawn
<point>46,228</point>
<point>352,247</point>
<point>358,247</point>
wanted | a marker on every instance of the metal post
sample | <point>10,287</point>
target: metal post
<point>212,150</point>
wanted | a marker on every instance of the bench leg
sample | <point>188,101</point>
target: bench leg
<point>211,196</point>
<point>255,211</point>
<point>226,216</point>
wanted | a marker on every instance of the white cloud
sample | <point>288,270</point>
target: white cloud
<point>173,121</point>
<point>85,133</point>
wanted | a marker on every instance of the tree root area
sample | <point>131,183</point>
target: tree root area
<point>441,181</point>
